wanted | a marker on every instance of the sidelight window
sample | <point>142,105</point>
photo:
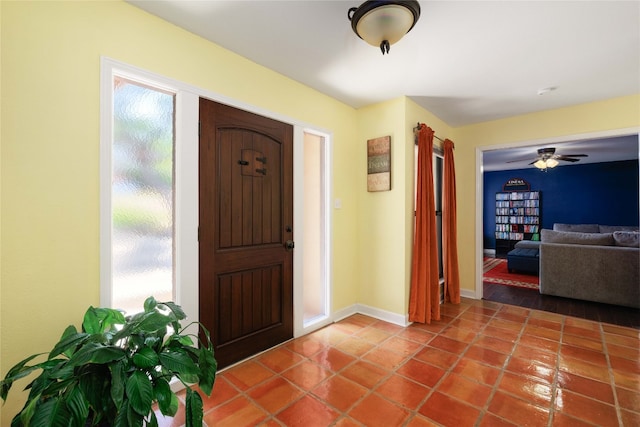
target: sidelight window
<point>142,194</point>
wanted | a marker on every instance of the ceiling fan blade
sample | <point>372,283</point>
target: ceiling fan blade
<point>519,160</point>
<point>566,159</point>
<point>575,155</point>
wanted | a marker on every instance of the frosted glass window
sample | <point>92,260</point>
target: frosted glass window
<point>314,283</point>
<point>142,195</point>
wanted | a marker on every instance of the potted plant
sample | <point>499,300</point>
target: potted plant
<point>115,369</point>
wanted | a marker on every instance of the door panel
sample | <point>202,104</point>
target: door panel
<point>246,216</point>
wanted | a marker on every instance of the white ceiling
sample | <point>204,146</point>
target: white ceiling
<point>464,61</point>
<point>597,150</point>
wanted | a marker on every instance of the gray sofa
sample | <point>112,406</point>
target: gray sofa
<point>591,262</point>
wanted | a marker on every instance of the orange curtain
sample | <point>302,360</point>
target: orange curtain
<point>424,296</point>
<point>449,228</point>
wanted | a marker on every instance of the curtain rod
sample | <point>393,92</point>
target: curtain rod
<point>417,128</point>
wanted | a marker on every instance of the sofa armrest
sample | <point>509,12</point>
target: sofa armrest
<point>607,274</point>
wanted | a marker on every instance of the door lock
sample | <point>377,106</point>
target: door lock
<point>289,245</point>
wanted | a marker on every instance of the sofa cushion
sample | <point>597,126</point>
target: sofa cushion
<point>613,228</point>
<point>598,239</point>
<point>580,228</point>
<point>629,239</point>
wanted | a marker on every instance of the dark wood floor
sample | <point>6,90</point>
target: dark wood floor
<point>617,315</point>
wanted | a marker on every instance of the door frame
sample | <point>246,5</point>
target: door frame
<point>186,185</point>
<point>299,328</point>
<point>478,290</point>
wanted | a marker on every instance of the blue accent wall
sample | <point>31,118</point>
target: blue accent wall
<point>592,193</point>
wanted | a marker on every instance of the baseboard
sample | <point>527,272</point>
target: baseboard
<point>468,293</point>
<point>387,316</point>
<point>344,313</point>
<point>491,253</point>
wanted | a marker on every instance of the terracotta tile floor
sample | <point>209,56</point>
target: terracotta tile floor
<point>482,364</point>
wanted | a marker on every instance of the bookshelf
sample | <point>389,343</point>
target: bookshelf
<point>517,218</point>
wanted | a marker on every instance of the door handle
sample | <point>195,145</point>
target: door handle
<point>289,245</point>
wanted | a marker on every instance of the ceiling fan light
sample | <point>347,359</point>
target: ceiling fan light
<point>383,23</point>
<point>552,163</point>
<point>540,164</point>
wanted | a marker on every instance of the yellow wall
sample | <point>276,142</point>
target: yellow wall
<point>50,152</point>
<point>382,215</point>
<point>386,224</point>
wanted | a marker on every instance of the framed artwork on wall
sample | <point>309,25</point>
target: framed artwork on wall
<point>379,164</point>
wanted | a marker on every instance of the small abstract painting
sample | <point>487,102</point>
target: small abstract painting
<point>379,164</point>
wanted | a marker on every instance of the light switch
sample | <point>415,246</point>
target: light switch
<point>338,204</point>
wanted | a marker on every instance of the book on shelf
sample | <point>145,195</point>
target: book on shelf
<point>517,216</point>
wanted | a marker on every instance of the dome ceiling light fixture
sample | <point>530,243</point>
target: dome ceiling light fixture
<point>383,23</point>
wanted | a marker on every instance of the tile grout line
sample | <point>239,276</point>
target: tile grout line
<point>495,387</point>
<point>370,390</point>
<point>411,413</point>
<point>612,378</point>
<point>554,385</point>
<point>432,390</point>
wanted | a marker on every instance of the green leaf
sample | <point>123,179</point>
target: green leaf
<point>152,342</point>
<point>208,367</point>
<point>167,400</point>
<point>176,310</point>
<point>52,412</point>
<point>96,353</point>
<point>153,322</point>
<point>207,335</point>
<point>100,320</point>
<point>134,419</point>
<point>15,373</point>
<point>40,384</point>
<point>94,381</point>
<point>140,392</point>
<point>183,340</point>
<point>194,409</point>
<point>59,370</point>
<point>153,420</point>
<point>69,331</point>
<point>29,409</point>
<point>78,406</point>
<point>67,344</point>
<point>54,388</point>
<point>178,362</point>
<point>118,380</point>
<point>120,419</point>
<point>91,322</point>
<point>146,358</point>
<point>150,304</point>
<point>15,422</point>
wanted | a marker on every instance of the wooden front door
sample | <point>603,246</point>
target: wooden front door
<point>246,231</point>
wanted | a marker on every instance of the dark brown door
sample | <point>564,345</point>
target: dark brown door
<point>246,237</point>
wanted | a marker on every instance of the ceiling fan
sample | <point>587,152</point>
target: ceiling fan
<point>547,158</point>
